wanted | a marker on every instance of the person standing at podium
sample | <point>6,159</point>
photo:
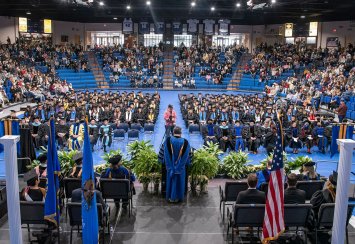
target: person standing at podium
<point>176,157</point>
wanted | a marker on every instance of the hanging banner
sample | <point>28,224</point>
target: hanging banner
<point>224,25</point>
<point>288,29</point>
<point>127,26</point>
<point>177,28</point>
<point>208,26</point>
<point>159,28</point>
<point>192,26</point>
<point>22,24</point>
<point>47,26</point>
<point>313,28</point>
<point>143,28</point>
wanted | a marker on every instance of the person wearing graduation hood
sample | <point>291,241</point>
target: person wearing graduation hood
<point>76,135</point>
<point>41,169</point>
<point>176,157</point>
<point>62,132</point>
<point>106,134</point>
<point>32,192</point>
<point>34,127</point>
<point>93,133</point>
<point>77,170</point>
<point>309,172</point>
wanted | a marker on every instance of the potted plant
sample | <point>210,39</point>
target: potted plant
<point>205,164</point>
<point>156,178</point>
<point>135,147</point>
<point>146,164</point>
<point>297,163</point>
<point>66,161</point>
<point>235,164</point>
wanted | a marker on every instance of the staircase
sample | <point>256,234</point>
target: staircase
<point>97,70</point>
<point>168,70</point>
<point>234,82</point>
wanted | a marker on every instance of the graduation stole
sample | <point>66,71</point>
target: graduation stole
<point>181,151</point>
<point>151,116</point>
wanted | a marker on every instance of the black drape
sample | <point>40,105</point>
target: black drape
<point>27,148</point>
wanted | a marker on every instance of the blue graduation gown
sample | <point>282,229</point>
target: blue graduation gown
<point>176,167</point>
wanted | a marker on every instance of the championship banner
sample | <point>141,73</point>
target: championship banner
<point>127,26</point>
<point>47,26</point>
<point>288,30</point>
<point>177,28</point>
<point>208,27</point>
<point>143,28</point>
<point>22,24</point>
<point>192,26</point>
<point>224,25</point>
<point>159,27</point>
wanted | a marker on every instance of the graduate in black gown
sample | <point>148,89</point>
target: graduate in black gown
<point>93,133</point>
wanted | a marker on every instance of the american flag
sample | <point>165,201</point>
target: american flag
<point>274,223</point>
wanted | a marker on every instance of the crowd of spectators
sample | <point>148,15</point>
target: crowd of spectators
<point>211,63</point>
<point>143,66</point>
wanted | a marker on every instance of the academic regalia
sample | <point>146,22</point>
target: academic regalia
<point>295,142</point>
<point>239,141</point>
<point>26,146</point>
<point>318,133</point>
<point>62,129</point>
<point>176,157</point>
<point>76,143</point>
<point>106,135</point>
<point>41,114</point>
<point>202,117</point>
<point>151,118</point>
<point>43,131</point>
<point>34,131</point>
<point>94,134</point>
<point>224,131</point>
<point>209,133</point>
<point>254,131</point>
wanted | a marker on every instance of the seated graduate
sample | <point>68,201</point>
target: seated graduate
<point>151,116</point>
<point>76,135</point>
<point>225,137</point>
<point>253,137</point>
<point>77,170</point>
<point>318,135</point>
<point>327,195</point>
<point>264,175</point>
<point>292,194</point>
<point>93,133</point>
<point>239,141</point>
<point>295,142</point>
<point>34,126</point>
<point>118,171</point>
<point>106,134</point>
<point>41,169</point>
<point>139,116</point>
<point>209,132</point>
<point>306,136</point>
<point>32,192</point>
<point>62,132</point>
<point>43,133</point>
<point>76,197</point>
<point>191,117</point>
<point>309,172</point>
<point>251,195</point>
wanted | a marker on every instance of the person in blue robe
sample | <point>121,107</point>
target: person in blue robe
<point>176,157</point>
<point>295,142</point>
<point>209,132</point>
<point>106,135</point>
<point>318,134</point>
<point>239,142</point>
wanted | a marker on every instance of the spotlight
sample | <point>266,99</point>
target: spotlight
<point>28,12</point>
<point>128,7</point>
<point>101,3</point>
<point>212,8</point>
<point>303,17</point>
<point>148,3</point>
<point>273,1</point>
<point>238,5</point>
<point>193,4</point>
<point>115,18</point>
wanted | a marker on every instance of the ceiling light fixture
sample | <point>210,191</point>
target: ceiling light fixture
<point>238,5</point>
<point>212,8</point>
<point>193,4</point>
<point>303,17</point>
<point>115,18</point>
<point>28,12</point>
<point>273,1</point>
<point>128,7</point>
<point>148,3</point>
<point>101,3</point>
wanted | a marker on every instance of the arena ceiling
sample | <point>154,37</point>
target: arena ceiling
<point>238,11</point>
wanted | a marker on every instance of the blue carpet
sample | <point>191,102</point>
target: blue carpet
<point>325,164</point>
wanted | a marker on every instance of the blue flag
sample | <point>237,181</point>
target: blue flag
<point>88,203</point>
<point>51,206</point>
<point>349,132</point>
<point>335,136</point>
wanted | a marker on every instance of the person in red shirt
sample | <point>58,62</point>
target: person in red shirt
<point>170,120</point>
<point>341,111</point>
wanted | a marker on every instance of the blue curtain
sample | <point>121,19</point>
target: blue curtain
<point>15,127</point>
<point>2,133</point>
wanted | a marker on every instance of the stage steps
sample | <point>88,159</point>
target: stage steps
<point>97,70</point>
<point>237,76</point>
<point>168,70</point>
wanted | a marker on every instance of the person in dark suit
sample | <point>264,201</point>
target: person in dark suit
<point>76,197</point>
<point>292,194</point>
<point>251,195</point>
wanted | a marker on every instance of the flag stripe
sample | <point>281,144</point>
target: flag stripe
<point>274,224</point>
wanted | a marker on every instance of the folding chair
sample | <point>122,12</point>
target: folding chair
<point>118,135</point>
<point>296,215</point>
<point>132,135</point>
<point>123,126</point>
<point>230,194</point>
<point>136,126</point>
<point>32,213</point>
<point>310,187</point>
